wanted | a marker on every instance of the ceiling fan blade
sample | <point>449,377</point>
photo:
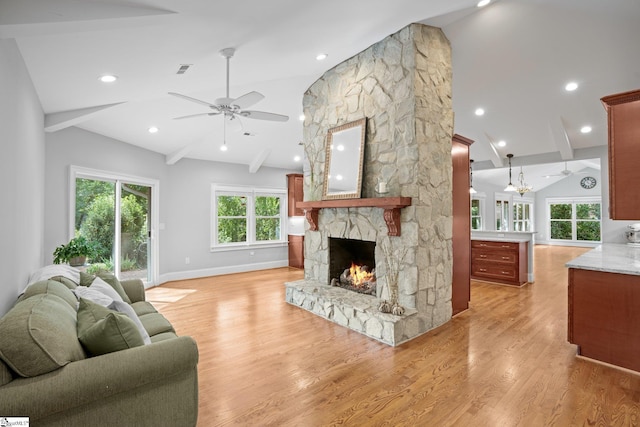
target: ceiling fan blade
<point>196,115</point>
<point>261,115</point>
<point>234,123</point>
<point>248,99</point>
<point>188,98</point>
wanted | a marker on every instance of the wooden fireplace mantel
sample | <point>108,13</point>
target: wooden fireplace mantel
<point>391,206</point>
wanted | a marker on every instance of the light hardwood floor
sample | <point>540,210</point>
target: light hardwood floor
<point>504,362</point>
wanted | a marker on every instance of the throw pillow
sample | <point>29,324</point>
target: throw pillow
<point>93,295</point>
<point>115,284</point>
<point>100,285</point>
<point>102,331</point>
<point>124,308</point>
<point>86,279</point>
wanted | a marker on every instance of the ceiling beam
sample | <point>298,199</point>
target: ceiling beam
<point>494,156</point>
<point>173,158</point>
<point>259,160</point>
<point>56,121</point>
<point>558,129</point>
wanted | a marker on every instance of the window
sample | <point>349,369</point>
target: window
<point>522,216</point>
<point>476,214</point>
<point>574,220</point>
<point>246,216</point>
<point>502,212</point>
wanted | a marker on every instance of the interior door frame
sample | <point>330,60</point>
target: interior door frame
<point>119,178</point>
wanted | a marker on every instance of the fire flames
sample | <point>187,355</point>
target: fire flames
<point>359,276</point>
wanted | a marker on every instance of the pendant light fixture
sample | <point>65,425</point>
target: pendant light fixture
<point>510,187</point>
<point>523,187</point>
<point>471,189</point>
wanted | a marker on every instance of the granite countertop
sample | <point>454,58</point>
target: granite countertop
<point>610,258</point>
<point>501,239</point>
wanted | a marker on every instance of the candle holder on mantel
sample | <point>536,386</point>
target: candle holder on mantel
<point>382,187</point>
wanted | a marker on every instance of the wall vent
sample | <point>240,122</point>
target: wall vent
<point>183,68</point>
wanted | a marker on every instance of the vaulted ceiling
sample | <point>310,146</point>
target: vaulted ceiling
<point>512,58</point>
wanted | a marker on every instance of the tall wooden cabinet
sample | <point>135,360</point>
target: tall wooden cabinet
<point>461,288</point>
<point>623,114</point>
<point>295,182</point>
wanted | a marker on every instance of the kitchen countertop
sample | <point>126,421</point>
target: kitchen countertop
<point>610,258</point>
<point>501,239</point>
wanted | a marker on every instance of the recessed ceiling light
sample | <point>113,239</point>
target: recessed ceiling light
<point>502,143</point>
<point>479,112</point>
<point>108,78</point>
<point>482,3</point>
<point>297,159</point>
<point>340,147</point>
<point>153,129</point>
<point>571,86</point>
<point>223,147</point>
<point>321,56</point>
<point>301,117</point>
<point>585,129</point>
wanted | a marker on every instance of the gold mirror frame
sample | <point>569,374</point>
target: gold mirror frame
<point>344,160</point>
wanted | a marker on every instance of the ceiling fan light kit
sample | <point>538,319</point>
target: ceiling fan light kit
<point>232,108</point>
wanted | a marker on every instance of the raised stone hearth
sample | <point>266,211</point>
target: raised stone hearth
<point>402,85</point>
<point>352,310</point>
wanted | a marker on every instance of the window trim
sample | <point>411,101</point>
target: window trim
<point>524,201</point>
<point>251,193</point>
<point>573,201</point>
<point>481,198</point>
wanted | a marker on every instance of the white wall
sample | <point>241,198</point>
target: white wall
<point>22,166</point>
<point>185,201</point>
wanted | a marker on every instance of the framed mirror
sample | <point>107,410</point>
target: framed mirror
<point>343,164</point>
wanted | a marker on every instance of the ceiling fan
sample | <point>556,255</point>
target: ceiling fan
<point>566,172</point>
<point>233,108</point>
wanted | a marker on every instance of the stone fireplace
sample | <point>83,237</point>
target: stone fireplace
<point>402,85</point>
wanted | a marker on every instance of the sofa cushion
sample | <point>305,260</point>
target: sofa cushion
<point>115,284</point>
<point>5,374</point>
<point>93,295</point>
<point>51,287</point>
<point>70,284</point>
<point>143,307</point>
<point>102,330</point>
<point>102,286</point>
<point>155,323</point>
<point>38,335</point>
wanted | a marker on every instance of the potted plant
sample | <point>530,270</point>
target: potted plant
<point>75,252</point>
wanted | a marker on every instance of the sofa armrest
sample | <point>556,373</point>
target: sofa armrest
<point>134,289</point>
<point>98,378</point>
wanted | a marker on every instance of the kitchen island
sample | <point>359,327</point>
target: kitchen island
<point>521,263</point>
<point>604,304</point>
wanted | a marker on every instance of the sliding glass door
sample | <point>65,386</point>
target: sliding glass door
<point>115,214</point>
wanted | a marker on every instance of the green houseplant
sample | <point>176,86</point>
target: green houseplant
<point>75,252</point>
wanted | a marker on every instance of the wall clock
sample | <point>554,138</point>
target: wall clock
<point>588,182</point>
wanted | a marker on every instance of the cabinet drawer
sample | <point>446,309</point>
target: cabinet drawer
<point>504,246</point>
<point>492,271</point>
<point>495,256</point>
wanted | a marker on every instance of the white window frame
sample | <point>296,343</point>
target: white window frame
<point>250,193</point>
<point>481,198</point>
<point>572,201</point>
<point>523,201</point>
<point>503,197</point>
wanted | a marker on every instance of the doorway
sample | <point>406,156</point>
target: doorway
<point>118,215</point>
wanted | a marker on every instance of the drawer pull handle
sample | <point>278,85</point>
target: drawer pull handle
<point>505,257</point>
<point>506,246</point>
<point>505,272</point>
<point>483,256</point>
<point>483,269</point>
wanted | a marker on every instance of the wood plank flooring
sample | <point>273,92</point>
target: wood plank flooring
<point>504,362</point>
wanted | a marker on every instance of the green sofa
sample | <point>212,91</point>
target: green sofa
<point>49,375</point>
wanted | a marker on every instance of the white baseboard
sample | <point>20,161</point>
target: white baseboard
<point>217,271</point>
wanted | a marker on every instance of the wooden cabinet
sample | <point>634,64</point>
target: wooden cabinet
<point>295,182</point>
<point>604,314</point>
<point>623,114</point>
<point>502,262</point>
<point>461,286</point>
<point>296,251</point>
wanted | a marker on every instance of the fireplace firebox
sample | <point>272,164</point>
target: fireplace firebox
<point>352,265</point>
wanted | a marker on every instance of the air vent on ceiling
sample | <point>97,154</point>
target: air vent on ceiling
<point>183,68</point>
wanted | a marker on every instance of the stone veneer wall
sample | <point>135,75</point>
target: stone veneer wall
<point>402,85</point>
